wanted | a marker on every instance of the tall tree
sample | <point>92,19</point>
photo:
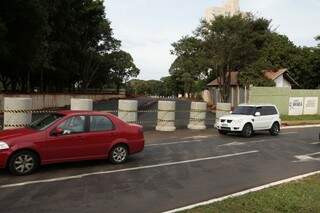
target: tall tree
<point>190,63</point>
<point>233,43</point>
<point>26,28</point>
<point>122,67</point>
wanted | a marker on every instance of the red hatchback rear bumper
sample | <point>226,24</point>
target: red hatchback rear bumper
<point>136,146</point>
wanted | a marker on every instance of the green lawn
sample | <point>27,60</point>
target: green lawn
<point>300,118</point>
<point>300,196</point>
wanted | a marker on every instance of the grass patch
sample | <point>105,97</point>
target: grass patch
<point>300,117</point>
<point>299,196</point>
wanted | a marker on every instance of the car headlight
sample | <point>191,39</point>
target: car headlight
<point>3,145</point>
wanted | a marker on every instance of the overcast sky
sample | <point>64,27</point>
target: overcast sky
<point>147,28</point>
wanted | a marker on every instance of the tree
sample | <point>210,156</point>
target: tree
<point>279,52</point>
<point>26,28</point>
<point>57,45</point>
<point>232,43</point>
<point>189,64</point>
<point>122,67</point>
<point>170,86</point>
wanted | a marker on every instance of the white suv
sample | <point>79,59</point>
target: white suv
<point>246,119</point>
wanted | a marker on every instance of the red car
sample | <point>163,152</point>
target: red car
<point>69,136</point>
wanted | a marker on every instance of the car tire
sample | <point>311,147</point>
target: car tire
<point>275,129</point>
<point>221,132</point>
<point>23,163</point>
<point>118,154</point>
<point>247,131</point>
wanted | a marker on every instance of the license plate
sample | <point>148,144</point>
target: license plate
<point>224,125</point>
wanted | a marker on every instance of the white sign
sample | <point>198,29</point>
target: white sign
<point>295,106</point>
<point>310,106</point>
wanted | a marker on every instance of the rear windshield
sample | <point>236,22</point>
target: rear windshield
<point>244,110</point>
<point>45,121</point>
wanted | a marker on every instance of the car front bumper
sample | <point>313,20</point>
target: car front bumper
<point>228,127</point>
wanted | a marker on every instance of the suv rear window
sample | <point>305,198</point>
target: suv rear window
<point>270,110</point>
<point>267,110</point>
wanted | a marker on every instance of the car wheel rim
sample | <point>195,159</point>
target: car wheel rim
<point>276,129</point>
<point>119,154</point>
<point>23,164</point>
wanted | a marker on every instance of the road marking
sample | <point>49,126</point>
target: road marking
<point>238,194</point>
<point>126,170</point>
<point>300,127</point>
<point>200,137</point>
<point>307,157</point>
<point>173,143</point>
<point>315,143</point>
<point>237,143</point>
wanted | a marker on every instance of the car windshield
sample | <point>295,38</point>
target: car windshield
<point>45,121</point>
<point>244,110</point>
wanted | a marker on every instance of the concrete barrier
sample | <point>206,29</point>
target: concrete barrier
<point>128,110</point>
<point>17,112</point>
<point>222,109</point>
<point>166,116</point>
<point>198,116</point>
<point>81,104</point>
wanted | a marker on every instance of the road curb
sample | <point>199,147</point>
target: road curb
<point>300,126</point>
<point>238,194</point>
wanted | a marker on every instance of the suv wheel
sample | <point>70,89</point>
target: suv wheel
<point>275,129</point>
<point>118,154</point>
<point>23,163</point>
<point>247,131</point>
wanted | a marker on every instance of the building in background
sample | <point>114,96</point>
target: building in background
<point>230,8</point>
<point>240,94</point>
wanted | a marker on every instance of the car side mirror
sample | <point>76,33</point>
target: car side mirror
<point>257,114</point>
<point>57,132</point>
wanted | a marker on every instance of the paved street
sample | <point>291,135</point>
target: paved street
<point>175,170</point>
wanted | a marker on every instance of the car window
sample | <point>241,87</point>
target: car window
<point>267,110</point>
<point>45,121</point>
<point>100,123</point>
<point>261,110</point>
<point>74,124</point>
<point>270,110</point>
<point>244,110</point>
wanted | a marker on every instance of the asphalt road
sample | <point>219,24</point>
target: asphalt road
<point>175,170</point>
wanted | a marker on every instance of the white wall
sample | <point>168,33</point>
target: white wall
<point>282,82</point>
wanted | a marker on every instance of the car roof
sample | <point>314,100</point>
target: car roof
<point>75,112</point>
<point>258,105</point>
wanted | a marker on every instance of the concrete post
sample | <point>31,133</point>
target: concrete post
<point>17,112</point>
<point>128,110</point>
<point>198,116</point>
<point>81,104</point>
<point>166,116</point>
<point>222,109</point>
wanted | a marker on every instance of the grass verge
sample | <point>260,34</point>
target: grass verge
<point>299,196</point>
<point>300,120</point>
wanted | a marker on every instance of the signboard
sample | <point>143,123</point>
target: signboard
<point>310,106</point>
<point>295,106</point>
